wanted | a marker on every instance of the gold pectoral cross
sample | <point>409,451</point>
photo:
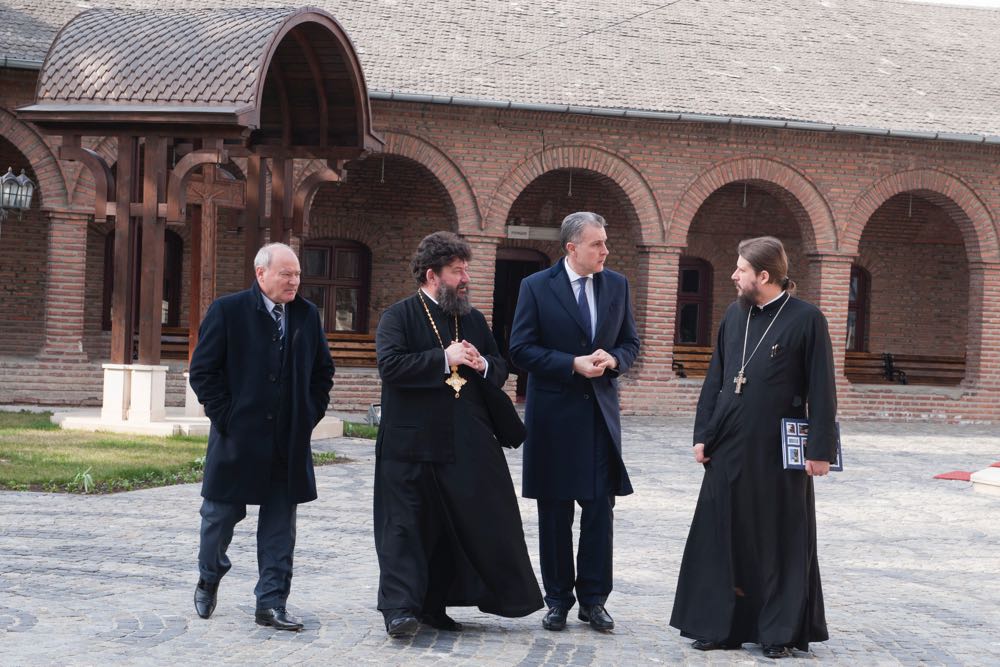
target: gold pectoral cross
<point>739,381</point>
<point>455,381</point>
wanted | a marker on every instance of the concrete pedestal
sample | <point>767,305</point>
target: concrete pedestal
<point>116,393</point>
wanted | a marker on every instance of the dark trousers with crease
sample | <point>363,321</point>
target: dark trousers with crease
<point>275,542</point>
<point>592,577</point>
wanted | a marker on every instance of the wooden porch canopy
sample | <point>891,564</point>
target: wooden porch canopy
<point>186,90</point>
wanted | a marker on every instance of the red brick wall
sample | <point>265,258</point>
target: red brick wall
<point>490,162</point>
<point>23,268</point>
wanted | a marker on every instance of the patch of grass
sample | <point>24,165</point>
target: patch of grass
<point>356,430</point>
<point>37,457</point>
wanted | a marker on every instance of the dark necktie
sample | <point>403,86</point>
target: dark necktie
<point>276,313</point>
<point>584,305</point>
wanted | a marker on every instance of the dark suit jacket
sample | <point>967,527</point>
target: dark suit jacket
<point>263,403</point>
<point>418,409</point>
<point>561,407</point>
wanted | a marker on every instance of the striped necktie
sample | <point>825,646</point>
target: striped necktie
<point>276,313</point>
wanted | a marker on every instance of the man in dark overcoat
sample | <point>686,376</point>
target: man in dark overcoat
<point>574,334</point>
<point>447,527</point>
<point>263,371</point>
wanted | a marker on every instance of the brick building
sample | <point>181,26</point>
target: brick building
<point>861,134</point>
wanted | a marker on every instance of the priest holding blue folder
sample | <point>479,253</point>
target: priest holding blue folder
<point>750,572</point>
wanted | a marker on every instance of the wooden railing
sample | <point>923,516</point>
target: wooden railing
<point>886,367</point>
<point>348,350</point>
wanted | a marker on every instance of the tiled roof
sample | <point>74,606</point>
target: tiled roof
<point>877,63</point>
<point>172,56</point>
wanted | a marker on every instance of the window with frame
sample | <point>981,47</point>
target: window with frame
<point>336,276</point>
<point>694,302</point>
<point>857,310</point>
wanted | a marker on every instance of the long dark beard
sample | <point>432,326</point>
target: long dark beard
<point>453,302</point>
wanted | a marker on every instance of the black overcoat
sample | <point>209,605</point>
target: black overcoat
<point>755,523</point>
<point>429,439</point>
<point>262,397</point>
<point>548,332</point>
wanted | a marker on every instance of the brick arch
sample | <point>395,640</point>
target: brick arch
<point>51,182</point>
<point>941,188</point>
<point>463,196</point>
<point>821,231</point>
<point>588,158</point>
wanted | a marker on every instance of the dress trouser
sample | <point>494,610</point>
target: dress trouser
<point>592,578</point>
<point>275,542</point>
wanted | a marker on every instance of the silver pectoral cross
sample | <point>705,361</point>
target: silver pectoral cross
<point>739,381</point>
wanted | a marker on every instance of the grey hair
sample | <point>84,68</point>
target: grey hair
<point>573,224</point>
<point>264,255</point>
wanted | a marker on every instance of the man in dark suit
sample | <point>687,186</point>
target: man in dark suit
<point>574,333</point>
<point>262,369</point>
<point>447,527</point>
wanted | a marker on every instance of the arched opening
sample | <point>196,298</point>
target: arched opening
<point>912,245</point>
<point>512,266</point>
<point>732,213</point>
<point>541,207</point>
<point>387,204</point>
<point>24,243</point>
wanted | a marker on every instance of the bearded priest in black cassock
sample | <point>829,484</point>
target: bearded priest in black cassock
<point>447,526</point>
<point>750,571</point>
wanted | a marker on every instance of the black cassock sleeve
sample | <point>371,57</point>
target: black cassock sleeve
<point>822,390</point>
<point>710,389</point>
<point>397,364</point>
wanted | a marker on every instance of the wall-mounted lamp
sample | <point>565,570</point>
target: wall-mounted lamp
<point>15,193</point>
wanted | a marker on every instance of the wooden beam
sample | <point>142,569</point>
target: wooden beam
<point>151,281</point>
<point>177,190</point>
<point>253,214</point>
<point>122,297</point>
<point>281,199</point>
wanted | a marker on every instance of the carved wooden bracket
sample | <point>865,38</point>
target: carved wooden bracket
<point>307,188</point>
<point>104,179</point>
<point>177,186</point>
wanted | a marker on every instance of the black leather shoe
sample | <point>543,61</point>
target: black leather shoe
<point>205,596</point>
<point>597,616</point>
<point>702,645</point>
<point>277,618</point>
<point>441,621</point>
<point>402,626</point>
<point>555,618</point>
<point>774,652</point>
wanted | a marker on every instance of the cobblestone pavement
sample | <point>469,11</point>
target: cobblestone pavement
<point>911,569</point>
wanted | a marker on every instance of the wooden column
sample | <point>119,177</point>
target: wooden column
<point>151,280</point>
<point>123,295</point>
<point>282,184</point>
<point>253,214</point>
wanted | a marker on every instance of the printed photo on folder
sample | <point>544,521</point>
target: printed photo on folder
<point>794,437</point>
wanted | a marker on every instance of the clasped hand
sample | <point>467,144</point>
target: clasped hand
<point>593,365</point>
<point>464,353</point>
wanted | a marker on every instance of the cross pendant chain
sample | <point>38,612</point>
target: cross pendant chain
<point>739,381</point>
<point>740,378</point>
<point>455,381</point>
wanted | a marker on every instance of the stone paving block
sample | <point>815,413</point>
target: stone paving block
<point>909,569</point>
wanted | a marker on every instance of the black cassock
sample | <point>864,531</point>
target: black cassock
<point>447,526</point>
<point>755,523</point>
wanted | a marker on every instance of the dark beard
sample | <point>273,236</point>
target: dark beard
<point>453,302</point>
<point>747,301</point>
